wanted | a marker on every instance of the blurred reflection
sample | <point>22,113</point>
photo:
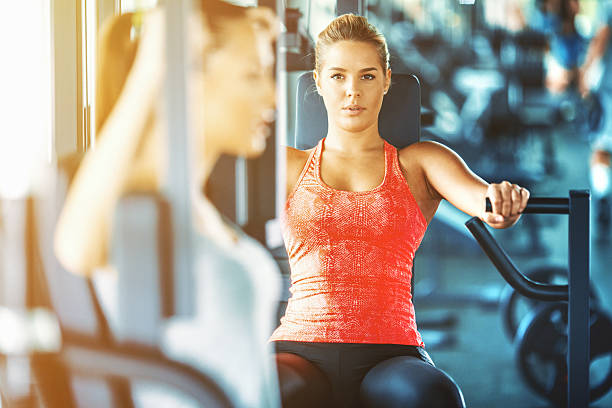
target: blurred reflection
<point>231,102</point>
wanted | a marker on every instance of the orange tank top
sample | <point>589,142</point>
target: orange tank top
<point>351,259</point>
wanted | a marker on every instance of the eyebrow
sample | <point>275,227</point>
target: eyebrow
<point>361,70</point>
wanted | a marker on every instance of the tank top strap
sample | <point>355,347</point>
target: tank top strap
<point>393,170</point>
<point>316,159</point>
<point>309,170</point>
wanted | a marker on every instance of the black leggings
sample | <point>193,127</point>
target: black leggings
<point>362,376</point>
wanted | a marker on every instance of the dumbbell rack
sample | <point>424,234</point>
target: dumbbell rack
<point>576,292</point>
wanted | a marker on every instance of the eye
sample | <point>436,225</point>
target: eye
<point>337,76</point>
<point>369,77</point>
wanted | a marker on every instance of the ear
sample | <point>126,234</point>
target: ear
<point>387,80</point>
<point>315,76</point>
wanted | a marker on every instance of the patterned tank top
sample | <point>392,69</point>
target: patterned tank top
<point>351,256</point>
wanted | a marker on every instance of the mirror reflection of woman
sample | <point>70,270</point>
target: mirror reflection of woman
<point>356,211</point>
<point>231,95</point>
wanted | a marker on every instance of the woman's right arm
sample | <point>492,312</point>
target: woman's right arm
<point>82,231</point>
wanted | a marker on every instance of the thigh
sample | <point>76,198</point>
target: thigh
<point>302,384</point>
<point>409,382</point>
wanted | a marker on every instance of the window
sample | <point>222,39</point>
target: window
<point>26,101</point>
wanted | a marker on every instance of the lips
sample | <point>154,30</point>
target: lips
<point>353,109</point>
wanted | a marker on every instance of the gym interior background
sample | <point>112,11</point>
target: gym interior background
<point>483,66</point>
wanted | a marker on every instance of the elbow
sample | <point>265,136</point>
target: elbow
<point>70,253</point>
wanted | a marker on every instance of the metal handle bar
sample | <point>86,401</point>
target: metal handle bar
<point>521,283</point>
<point>541,205</point>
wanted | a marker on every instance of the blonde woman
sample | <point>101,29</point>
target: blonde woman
<point>356,211</point>
<point>231,87</point>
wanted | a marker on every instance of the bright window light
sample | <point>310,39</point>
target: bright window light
<point>135,5</point>
<point>25,100</point>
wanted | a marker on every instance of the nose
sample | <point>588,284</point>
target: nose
<point>352,89</point>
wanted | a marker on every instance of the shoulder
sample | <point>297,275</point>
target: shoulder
<point>433,161</point>
<point>425,152</point>
<point>297,154</point>
<point>296,159</point>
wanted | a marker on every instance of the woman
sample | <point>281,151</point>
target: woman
<point>355,214</point>
<point>236,282</point>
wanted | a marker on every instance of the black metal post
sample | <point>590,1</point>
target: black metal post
<point>351,6</point>
<point>578,309</point>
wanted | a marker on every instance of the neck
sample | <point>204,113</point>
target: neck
<point>205,165</point>
<point>208,219</point>
<point>353,142</point>
<point>204,158</point>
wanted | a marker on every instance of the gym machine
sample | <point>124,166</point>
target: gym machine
<point>578,331</point>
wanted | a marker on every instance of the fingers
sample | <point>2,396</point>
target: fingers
<point>493,219</point>
<point>525,194</point>
<point>506,193</point>
<point>496,198</point>
<point>516,200</point>
<point>508,202</point>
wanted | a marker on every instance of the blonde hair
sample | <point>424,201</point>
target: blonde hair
<point>117,49</point>
<point>350,27</point>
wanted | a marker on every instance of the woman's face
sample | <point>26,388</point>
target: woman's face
<point>352,83</point>
<point>238,91</point>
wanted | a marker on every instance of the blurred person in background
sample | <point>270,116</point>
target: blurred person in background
<point>557,20</point>
<point>231,101</point>
<point>595,75</point>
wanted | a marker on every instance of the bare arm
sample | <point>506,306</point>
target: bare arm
<point>82,231</point>
<point>597,46</point>
<point>449,178</point>
<point>597,49</point>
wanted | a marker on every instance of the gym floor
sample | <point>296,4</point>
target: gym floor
<point>482,358</point>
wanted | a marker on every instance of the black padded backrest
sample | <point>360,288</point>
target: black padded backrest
<point>399,120</point>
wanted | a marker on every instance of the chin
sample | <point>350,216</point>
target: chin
<point>253,150</point>
<point>258,145</point>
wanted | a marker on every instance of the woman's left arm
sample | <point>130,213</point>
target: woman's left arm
<point>449,177</point>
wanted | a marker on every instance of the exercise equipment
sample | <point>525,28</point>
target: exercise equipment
<point>539,333</point>
<point>92,353</point>
<point>576,292</point>
<point>541,347</point>
<point>514,307</point>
